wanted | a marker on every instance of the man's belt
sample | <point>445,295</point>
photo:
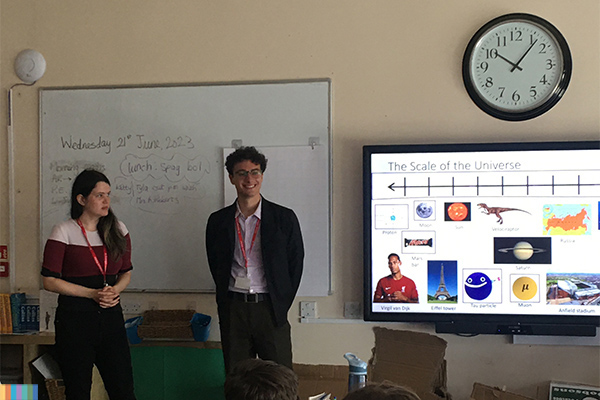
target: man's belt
<point>248,297</point>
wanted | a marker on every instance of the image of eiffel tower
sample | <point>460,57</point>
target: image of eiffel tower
<point>442,293</point>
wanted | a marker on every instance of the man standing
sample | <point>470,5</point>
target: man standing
<point>255,254</point>
<point>396,287</point>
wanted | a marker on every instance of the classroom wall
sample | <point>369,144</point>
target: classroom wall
<point>395,67</point>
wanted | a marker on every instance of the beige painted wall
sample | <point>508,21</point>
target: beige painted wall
<point>396,78</point>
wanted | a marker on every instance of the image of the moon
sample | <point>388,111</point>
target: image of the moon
<point>424,210</point>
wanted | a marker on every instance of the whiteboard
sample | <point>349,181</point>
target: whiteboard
<point>290,169</point>
<point>162,149</point>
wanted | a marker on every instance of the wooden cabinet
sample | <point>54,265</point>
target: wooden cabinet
<point>31,347</point>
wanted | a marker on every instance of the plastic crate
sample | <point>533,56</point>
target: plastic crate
<point>201,327</point>
<point>131,327</point>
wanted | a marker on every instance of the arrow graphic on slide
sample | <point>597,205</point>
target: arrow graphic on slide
<point>578,182</point>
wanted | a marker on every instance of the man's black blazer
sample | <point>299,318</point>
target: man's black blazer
<point>282,252</point>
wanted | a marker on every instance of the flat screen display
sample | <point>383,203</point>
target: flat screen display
<point>505,232</point>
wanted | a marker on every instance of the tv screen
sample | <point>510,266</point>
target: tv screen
<point>484,238</point>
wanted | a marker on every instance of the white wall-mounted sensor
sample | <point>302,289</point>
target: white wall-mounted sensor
<point>30,65</point>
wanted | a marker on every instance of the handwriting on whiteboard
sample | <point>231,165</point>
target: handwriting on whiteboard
<point>153,174</point>
<point>137,141</point>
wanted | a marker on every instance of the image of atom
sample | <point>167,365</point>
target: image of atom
<point>522,250</point>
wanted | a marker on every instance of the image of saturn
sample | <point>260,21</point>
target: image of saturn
<point>522,250</point>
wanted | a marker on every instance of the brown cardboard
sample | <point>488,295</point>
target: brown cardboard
<point>412,359</point>
<point>483,392</point>
<point>172,324</point>
<point>316,379</point>
<point>407,358</point>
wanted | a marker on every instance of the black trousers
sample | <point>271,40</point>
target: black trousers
<point>248,330</point>
<point>85,338</point>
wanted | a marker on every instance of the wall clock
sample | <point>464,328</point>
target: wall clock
<point>517,67</point>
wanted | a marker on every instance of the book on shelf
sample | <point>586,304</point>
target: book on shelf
<point>16,300</point>
<point>24,312</point>
<point>5,314</point>
<point>30,317</point>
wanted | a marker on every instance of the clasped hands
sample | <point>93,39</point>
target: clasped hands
<point>106,297</point>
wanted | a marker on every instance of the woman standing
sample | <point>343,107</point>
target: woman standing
<point>87,260</point>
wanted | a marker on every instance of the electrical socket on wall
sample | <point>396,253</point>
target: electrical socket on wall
<point>352,310</point>
<point>308,309</point>
<point>131,307</point>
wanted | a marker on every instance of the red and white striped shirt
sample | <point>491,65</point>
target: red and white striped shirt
<point>67,255</point>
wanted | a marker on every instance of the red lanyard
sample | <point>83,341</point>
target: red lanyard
<point>102,270</point>
<point>241,240</point>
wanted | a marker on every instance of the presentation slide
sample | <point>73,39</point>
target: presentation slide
<point>497,232</point>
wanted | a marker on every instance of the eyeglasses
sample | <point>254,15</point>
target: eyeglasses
<point>253,173</point>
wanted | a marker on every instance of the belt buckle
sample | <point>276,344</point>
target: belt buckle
<point>248,296</point>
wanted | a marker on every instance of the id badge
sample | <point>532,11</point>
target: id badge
<point>242,282</point>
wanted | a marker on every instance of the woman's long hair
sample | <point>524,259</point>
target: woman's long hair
<point>108,226</point>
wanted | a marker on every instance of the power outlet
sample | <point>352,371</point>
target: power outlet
<point>308,309</point>
<point>131,308</point>
<point>352,310</point>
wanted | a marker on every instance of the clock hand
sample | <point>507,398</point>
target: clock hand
<point>510,62</point>
<point>523,56</point>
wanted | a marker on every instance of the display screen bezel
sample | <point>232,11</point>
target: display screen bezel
<point>483,317</point>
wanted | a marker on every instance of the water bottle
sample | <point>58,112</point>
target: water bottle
<point>357,373</point>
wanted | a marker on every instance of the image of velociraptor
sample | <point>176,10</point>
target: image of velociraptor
<point>497,210</point>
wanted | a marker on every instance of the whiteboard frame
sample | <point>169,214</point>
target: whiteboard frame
<point>206,84</point>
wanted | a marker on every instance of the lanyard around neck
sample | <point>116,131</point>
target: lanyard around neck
<point>102,270</point>
<point>241,239</point>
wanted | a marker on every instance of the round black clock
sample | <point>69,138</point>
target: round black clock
<point>517,67</point>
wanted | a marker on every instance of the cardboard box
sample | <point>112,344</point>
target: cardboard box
<point>166,324</point>
<point>573,391</point>
<point>483,392</point>
<point>412,359</point>
<point>316,379</point>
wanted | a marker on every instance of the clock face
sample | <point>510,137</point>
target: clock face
<point>517,67</point>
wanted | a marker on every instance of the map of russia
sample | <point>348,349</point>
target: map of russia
<point>567,219</point>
